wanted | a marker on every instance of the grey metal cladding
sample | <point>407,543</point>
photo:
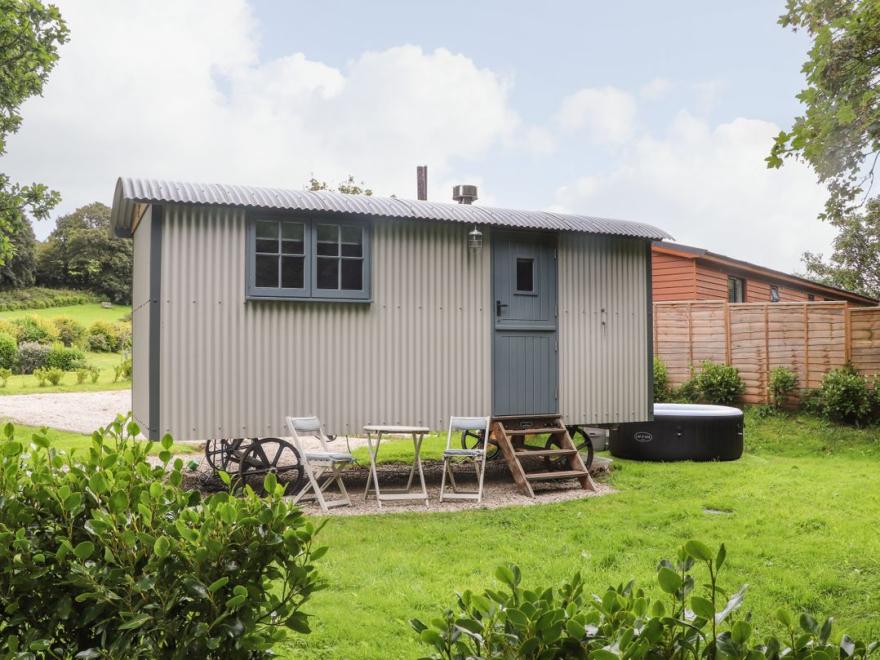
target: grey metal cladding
<point>130,191</point>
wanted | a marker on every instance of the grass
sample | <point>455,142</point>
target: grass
<point>798,513</point>
<point>105,362</point>
<point>85,314</point>
<point>73,441</point>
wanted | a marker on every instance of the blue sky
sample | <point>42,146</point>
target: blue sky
<point>657,112</point>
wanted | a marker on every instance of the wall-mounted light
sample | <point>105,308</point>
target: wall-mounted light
<point>475,239</point>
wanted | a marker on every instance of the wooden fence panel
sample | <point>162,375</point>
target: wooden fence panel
<point>810,338</point>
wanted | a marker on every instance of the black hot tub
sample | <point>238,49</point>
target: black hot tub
<point>682,432</point>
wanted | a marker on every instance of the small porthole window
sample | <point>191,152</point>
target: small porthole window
<point>525,275</point>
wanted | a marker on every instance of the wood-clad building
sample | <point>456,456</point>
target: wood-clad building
<point>682,272</point>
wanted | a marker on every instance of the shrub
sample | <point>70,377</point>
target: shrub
<point>844,396</point>
<point>661,381</point>
<point>8,351</point>
<point>783,383</point>
<point>41,298</point>
<point>5,374</point>
<point>215,577</point>
<point>64,358</point>
<point>9,328</point>
<point>811,401</point>
<point>690,617</point>
<point>688,391</point>
<point>81,374</point>
<point>70,332</point>
<point>94,374</point>
<point>42,376</point>
<point>54,375</point>
<point>104,337</point>
<point>719,383</point>
<point>32,356</point>
<point>36,330</point>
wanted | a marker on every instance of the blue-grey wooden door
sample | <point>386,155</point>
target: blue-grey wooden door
<point>525,367</point>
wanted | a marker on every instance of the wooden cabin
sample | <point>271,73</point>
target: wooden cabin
<point>682,272</point>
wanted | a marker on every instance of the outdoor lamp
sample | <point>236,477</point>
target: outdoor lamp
<point>475,239</point>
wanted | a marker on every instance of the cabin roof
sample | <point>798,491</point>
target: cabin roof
<point>131,191</point>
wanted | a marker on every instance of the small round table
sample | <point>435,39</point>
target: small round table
<point>375,432</point>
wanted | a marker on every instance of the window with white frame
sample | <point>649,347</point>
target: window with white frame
<point>307,259</point>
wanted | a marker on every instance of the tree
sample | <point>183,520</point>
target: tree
<point>855,263</point>
<point>80,253</point>
<point>20,269</point>
<point>347,187</point>
<point>839,133</point>
<point>30,34</point>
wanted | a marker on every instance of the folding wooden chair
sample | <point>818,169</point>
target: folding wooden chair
<point>477,456</point>
<point>327,463</point>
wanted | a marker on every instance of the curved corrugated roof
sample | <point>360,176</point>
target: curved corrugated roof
<point>131,191</point>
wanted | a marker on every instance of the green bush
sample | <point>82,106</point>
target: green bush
<point>689,617</point>
<point>81,374</point>
<point>41,298</point>
<point>64,358</point>
<point>8,351</point>
<point>35,329</point>
<point>105,555</point>
<point>783,383</point>
<point>94,374</point>
<point>688,391</point>
<point>845,396</point>
<point>9,328</point>
<point>32,356</point>
<point>661,381</point>
<point>104,337</point>
<point>5,374</point>
<point>70,332</point>
<point>122,370</point>
<point>42,376</point>
<point>54,375</point>
<point>719,383</point>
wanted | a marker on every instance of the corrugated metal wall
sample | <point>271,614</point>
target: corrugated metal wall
<point>229,368</point>
<point>140,322</point>
<point>603,334</point>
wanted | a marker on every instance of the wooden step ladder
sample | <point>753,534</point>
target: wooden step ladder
<point>510,434</point>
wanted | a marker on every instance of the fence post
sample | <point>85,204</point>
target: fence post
<point>728,358</point>
<point>847,333</point>
<point>690,313</point>
<point>766,353</point>
<point>806,346</point>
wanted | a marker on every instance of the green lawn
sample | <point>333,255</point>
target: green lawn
<point>70,440</point>
<point>105,362</point>
<point>799,513</point>
<point>85,314</point>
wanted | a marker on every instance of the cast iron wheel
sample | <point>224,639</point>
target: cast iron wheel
<point>220,452</point>
<point>474,440</point>
<point>265,455</point>
<point>582,442</point>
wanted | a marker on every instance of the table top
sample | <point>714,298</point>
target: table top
<point>389,428</point>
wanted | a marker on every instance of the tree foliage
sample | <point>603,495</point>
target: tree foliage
<point>30,34</point>
<point>80,253</point>
<point>349,186</point>
<point>854,264</point>
<point>839,133</point>
<point>19,270</point>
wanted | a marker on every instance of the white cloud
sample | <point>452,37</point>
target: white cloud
<point>709,186</point>
<point>655,89</point>
<point>172,91</point>
<point>607,113</point>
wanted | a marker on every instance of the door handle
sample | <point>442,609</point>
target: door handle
<point>499,306</point>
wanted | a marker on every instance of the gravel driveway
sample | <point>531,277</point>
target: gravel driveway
<point>82,412</point>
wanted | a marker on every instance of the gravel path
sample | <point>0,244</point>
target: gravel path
<point>82,412</point>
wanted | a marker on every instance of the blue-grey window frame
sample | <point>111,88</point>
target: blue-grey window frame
<point>309,292</point>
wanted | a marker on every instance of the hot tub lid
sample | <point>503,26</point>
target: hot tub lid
<point>695,410</point>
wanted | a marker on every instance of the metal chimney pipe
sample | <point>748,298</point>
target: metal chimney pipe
<point>464,194</point>
<point>422,182</point>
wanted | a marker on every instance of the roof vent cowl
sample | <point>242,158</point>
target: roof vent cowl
<point>464,194</point>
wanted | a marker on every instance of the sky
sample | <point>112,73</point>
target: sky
<point>654,112</point>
